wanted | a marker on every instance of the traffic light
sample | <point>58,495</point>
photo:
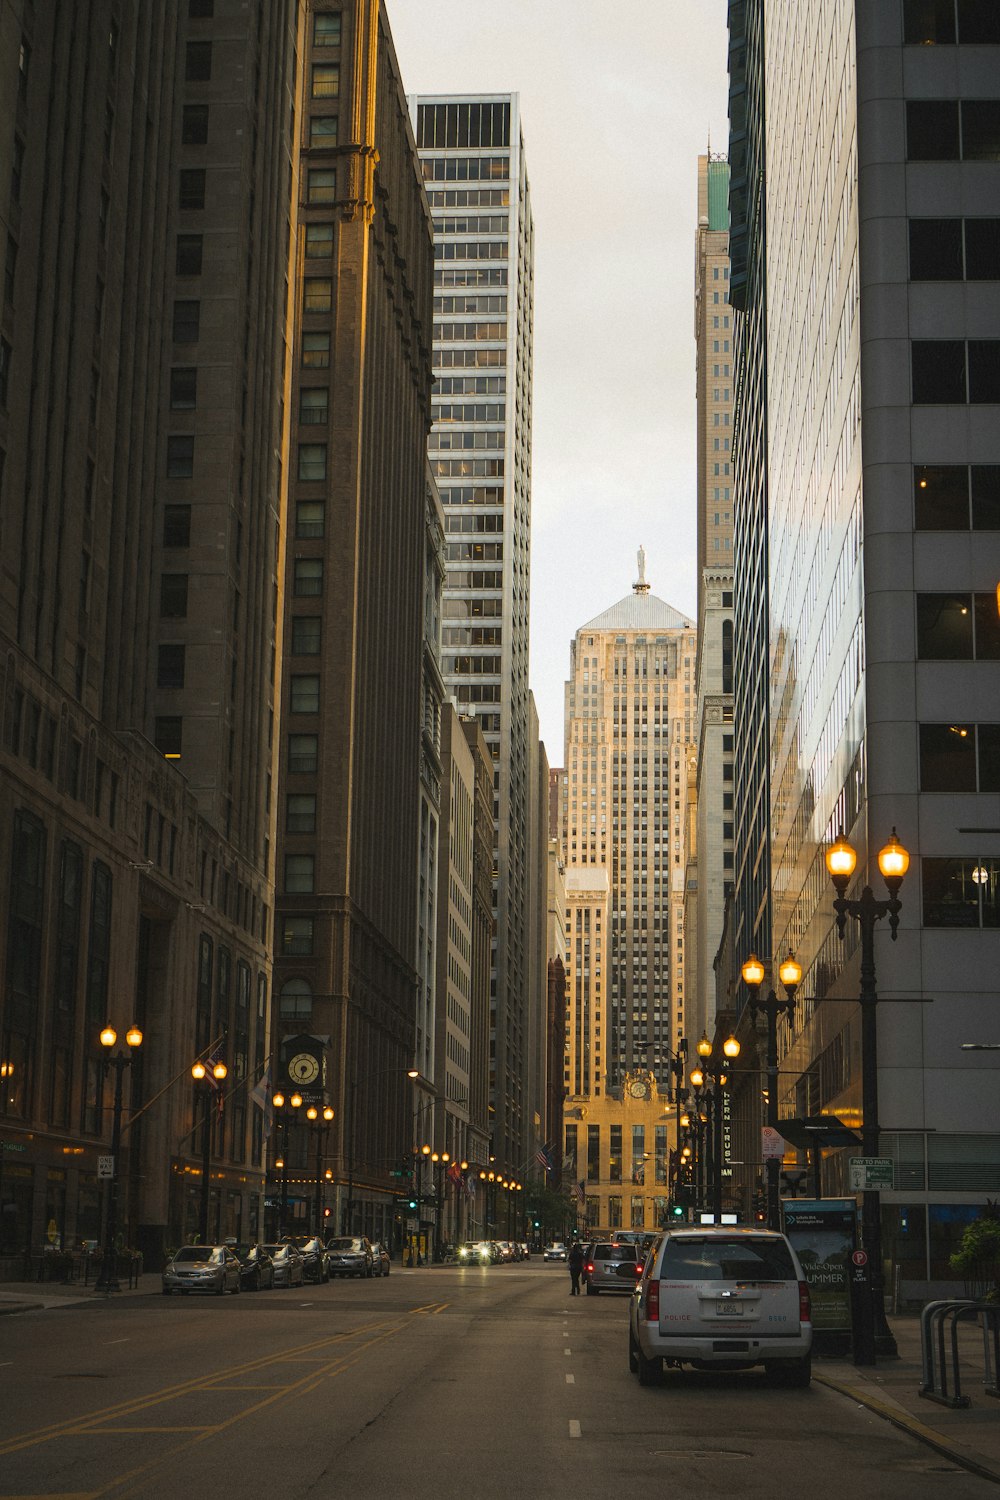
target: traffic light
<point>677,1210</point>
<point>411,1204</point>
<point>760,1206</point>
<point>327,1212</point>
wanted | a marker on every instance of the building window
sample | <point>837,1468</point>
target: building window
<point>308,582</point>
<point>180,457</point>
<point>928,22</point>
<point>183,388</point>
<point>189,253</point>
<point>167,736</point>
<point>300,812</point>
<point>176,525</point>
<point>325,80</point>
<point>198,62</point>
<point>323,131</point>
<point>961,892</point>
<point>957,627</point>
<point>936,250</point>
<point>187,322</point>
<point>307,635</point>
<point>310,518</point>
<point>932,132</point>
<point>312,461</point>
<point>296,937</point>
<point>317,294</point>
<point>303,753</point>
<point>192,188</point>
<point>321,187</point>
<point>295,1000</point>
<point>299,874</point>
<point>173,596</point>
<point>170,666</point>
<point>313,405</point>
<point>981,130</point>
<point>938,368</point>
<point>319,240</point>
<point>947,758</point>
<point>326,28</point>
<point>315,351</point>
<point>201,10</point>
<point>194,125</point>
<point>304,695</point>
<point>984,372</point>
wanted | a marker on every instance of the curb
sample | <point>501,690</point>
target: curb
<point>902,1419</point>
<point>17,1307</point>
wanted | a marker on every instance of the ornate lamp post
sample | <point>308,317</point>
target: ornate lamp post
<point>715,1069</point>
<point>893,862</point>
<point>108,1279</point>
<point>790,974</point>
<point>321,1122</point>
<point>284,1111</point>
<point>199,1072</point>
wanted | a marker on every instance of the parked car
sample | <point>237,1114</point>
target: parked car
<point>555,1251</point>
<point>611,1267</point>
<point>201,1268</point>
<point>474,1253</point>
<point>289,1269</point>
<point>256,1267</point>
<point>315,1264</point>
<point>350,1255</point>
<point>380,1258</point>
<point>722,1298</point>
<point>525,1250</point>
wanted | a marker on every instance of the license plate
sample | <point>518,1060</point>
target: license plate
<point>729,1309</point>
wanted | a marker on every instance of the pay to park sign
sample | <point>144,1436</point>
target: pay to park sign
<point>822,1234</point>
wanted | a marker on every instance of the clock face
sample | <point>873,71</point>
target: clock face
<point>637,1088</point>
<point>303,1068</point>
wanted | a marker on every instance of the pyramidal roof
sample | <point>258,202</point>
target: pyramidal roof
<point>640,610</point>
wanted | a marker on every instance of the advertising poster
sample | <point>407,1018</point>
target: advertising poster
<point>822,1234</point>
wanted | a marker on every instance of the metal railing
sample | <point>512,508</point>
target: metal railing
<point>942,1380</point>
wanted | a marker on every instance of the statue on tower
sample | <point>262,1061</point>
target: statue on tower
<point>641,586</point>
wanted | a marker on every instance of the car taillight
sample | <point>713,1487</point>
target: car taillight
<point>638,1272</point>
<point>652,1301</point>
<point>589,1267</point>
<point>805,1303</point>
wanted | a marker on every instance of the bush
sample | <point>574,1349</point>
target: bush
<point>977,1259</point>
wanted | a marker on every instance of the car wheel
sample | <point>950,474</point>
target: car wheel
<point>795,1373</point>
<point>593,1291</point>
<point>633,1360</point>
<point>220,1289</point>
<point>238,1287</point>
<point>166,1291</point>
<point>649,1370</point>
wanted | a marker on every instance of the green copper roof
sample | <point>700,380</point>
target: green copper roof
<point>718,195</point>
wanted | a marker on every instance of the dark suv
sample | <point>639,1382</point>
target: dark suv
<point>350,1255</point>
<point>315,1265</point>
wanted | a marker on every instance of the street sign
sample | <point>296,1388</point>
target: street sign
<point>105,1166</point>
<point>869,1173</point>
<point>859,1257</point>
<point>12,1146</point>
<point>772,1146</point>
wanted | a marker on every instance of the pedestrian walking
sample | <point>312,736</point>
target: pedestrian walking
<point>575,1260</point>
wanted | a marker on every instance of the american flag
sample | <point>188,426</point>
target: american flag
<point>454,1172</point>
<point>216,1055</point>
<point>580,1192</point>
<point>543,1158</point>
<point>260,1095</point>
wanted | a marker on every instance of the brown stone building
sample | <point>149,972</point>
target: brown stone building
<point>145,235</point>
<point>345,952</point>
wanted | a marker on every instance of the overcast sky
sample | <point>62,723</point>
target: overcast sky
<point>616,103</point>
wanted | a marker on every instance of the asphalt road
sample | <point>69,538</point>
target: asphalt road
<point>442,1383</point>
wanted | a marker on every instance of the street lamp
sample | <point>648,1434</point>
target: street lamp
<point>893,862</point>
<point>208,1086</point>
<point>322,1128</point>
<point>715,1069</point>
<point>281,1161</point>
<point>108,1279</point>
<point>790,974</point>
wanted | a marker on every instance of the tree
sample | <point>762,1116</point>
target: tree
<point>977,1258</point>
<point>554,1208</point>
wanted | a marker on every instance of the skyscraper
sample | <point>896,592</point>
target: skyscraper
<point>474,170</point>
<point>712,869</point>
<point>630,714</point>
<point>347,903</point>
<point>142,378</point>
<point>866,565</point>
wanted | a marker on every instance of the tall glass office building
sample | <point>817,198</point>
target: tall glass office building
<point>480,448</point>
<point>868,361</point>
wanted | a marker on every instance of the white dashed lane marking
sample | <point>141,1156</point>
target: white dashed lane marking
<point>574,1428</point>
<point>571,1380</point>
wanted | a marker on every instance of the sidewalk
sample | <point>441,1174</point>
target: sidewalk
<point>969,1436</point>
<point>34,1296</point>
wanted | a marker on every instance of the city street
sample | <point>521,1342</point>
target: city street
<point>477,1383</point>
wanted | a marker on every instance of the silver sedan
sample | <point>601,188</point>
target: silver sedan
<point>288,1264</point>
